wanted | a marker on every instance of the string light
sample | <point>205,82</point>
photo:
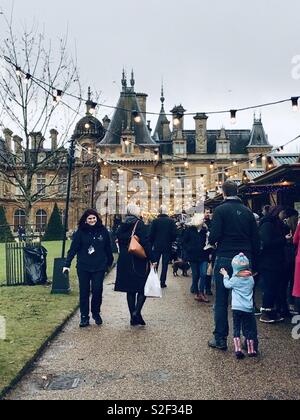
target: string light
<point>232,112</point>
<point>18,71</point>
<point>136,116</point>
<point>233,116</point>
<point>294,100</point>
<point>93,107</point>
<point>58,95</point>
<point>27,79</point>
<point>178,115</point>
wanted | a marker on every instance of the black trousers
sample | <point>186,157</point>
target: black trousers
<point>245,322</point>
<point>166,256</point>
<point>90,281</point>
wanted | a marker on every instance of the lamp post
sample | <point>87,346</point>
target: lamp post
<point>60,281</point>
<point>69,184</point>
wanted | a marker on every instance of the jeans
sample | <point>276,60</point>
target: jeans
<point>86,279</point>
<point>166,256</point>
<point>221,303</point>
<point>199,270</point>
<point>271,284</point>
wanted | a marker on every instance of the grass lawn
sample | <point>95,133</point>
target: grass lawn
<point>31,315</point>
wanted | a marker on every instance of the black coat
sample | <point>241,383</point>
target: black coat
<point>96,237</point>
<point>194,242</point>
<point>234,230</point>
<point>163,233</point>
<point>132,272</point>
<point>273,243</point>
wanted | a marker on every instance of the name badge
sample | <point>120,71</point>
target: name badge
<point>91,250</point>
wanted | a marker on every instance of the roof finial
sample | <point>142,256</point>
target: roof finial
<point>162,98</point>
<point>89,93</point>
<point>124,79</point>
<point>132,81</point>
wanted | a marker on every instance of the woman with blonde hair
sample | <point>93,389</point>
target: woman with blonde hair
<point>133,271</point>
<point>194,241</point>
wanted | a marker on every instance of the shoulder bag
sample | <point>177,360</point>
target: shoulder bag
<point>135,247</point>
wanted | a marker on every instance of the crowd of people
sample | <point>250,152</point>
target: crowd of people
<point>233,247</point>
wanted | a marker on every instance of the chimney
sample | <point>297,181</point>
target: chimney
<point>142,101</point>
<point>8,137</point>
<point>18,144</point>
<point>106,121</point>
<point>53,136</point>
<point>201,132</point>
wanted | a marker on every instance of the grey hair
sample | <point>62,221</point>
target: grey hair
<point>163,210</point>
<point>133,210</point>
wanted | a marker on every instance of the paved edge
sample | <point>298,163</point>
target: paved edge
<point>29,365</point>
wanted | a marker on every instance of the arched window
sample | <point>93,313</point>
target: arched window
<point>19,219</point>
<point>41,220</point>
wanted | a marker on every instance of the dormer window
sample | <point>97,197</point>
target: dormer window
<point>179,148</point>
<point>223,147</point>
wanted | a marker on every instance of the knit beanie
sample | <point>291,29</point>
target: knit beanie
<point>239,263</point>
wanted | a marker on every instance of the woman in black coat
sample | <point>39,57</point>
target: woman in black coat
<point>91,243</point>
<point>274,235</point>
<point>194,242</point>
<point>132,271</point>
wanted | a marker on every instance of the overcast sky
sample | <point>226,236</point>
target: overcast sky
<point>211,54</point>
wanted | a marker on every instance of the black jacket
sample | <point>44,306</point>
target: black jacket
<point>96,237</point>
<point>132,272</point>
<point>163,233</point>
<point>234,230</point>
<point>194,242</point>
<point>273,243</point>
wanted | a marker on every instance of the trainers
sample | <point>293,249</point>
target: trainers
<point>98,320</point>
<point>267,318</point>
<point>218,344</point>
<point>278,317</point>
<point>84,322</point>
<point>257,311</point>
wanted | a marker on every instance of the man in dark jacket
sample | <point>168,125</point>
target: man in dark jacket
<point>163,233</point>
<point>233,230</point>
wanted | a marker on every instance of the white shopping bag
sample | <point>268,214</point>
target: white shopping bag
<point>152,286</point>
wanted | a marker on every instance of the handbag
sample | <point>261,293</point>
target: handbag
<point>152,286</point>
<point>135,247</point>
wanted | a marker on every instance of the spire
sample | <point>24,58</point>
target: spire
<point>89,102</point>
<point>132,81</point>
<point>162,130</point>
<point>162,98</point>
<point>124,80</point>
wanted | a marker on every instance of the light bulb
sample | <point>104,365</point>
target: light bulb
<point>295,103</point>
<point>233,116</point>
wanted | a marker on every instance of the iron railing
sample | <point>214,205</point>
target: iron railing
<point>15,265</point>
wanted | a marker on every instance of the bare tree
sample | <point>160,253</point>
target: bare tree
<point>32,70</point>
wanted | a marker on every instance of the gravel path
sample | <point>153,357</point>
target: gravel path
<point>167,359</point>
